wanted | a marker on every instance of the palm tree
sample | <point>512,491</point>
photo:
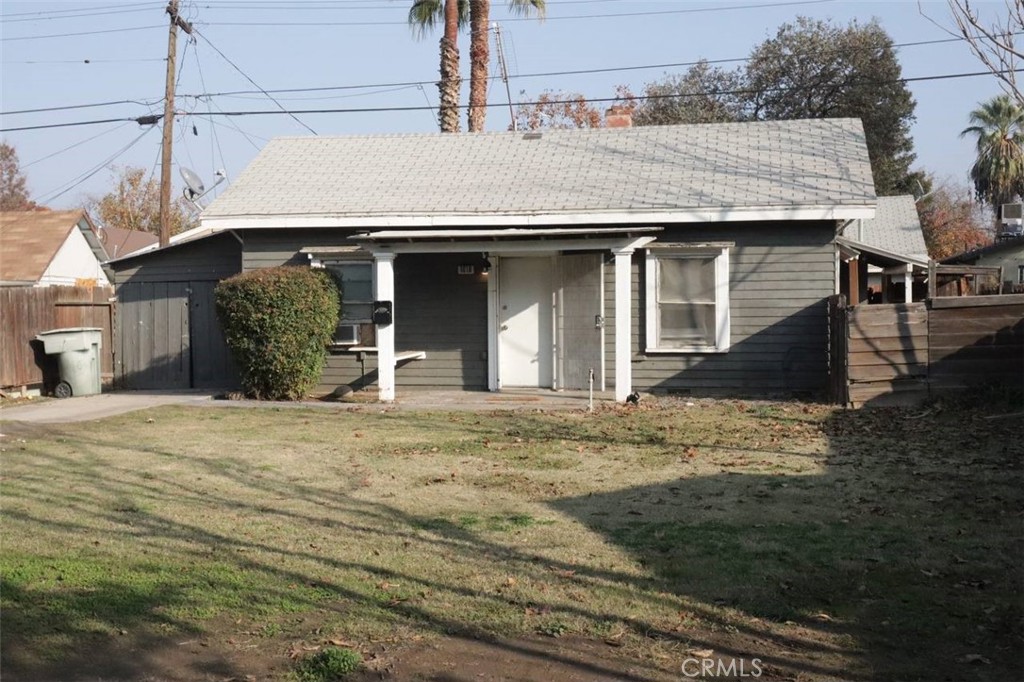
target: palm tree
<point>480,54</point>
<point>998,172</point>
<point>424,15</point>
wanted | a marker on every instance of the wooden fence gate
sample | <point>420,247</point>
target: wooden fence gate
<point>905,352</point>
<point>169,337</point>
<point>26,311</point>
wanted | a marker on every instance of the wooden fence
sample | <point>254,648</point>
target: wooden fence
<point>26,311</point>
<point>905,352</point>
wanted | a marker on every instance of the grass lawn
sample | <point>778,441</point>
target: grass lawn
<point>187,543</point>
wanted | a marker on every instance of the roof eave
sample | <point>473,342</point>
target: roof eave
<point>695,215</point>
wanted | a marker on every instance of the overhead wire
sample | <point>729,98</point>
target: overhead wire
<point>6,15</point>
<point>73,146</point>
<point>592,100</point>
<point>77,16</point>
<point>7,39</point>
<point>248,78</point>
<point>545,74</point>
<point>67,187</point>
<point>88,61</point>
<point>81,106</point>
<point>690,10</point>
<point>214,139</point>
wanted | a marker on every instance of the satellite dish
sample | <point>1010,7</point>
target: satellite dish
<point>195,189</point>
<point>194,182</point>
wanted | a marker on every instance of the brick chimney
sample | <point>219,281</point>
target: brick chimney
<point>618,117</point>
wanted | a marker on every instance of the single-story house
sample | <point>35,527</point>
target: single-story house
<point>1006,253</point>
<point>45,248</point>
<point>885,254</point>
<point>682,259</point>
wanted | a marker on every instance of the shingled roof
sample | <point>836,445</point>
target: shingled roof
<point>30,239</point>
<point>690,172</point>
<point>896,228</point>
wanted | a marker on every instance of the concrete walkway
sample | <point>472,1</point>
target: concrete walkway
<point>86,408</point>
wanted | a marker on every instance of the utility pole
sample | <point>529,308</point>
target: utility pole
<point>165,165</point>
<point>504,72</point>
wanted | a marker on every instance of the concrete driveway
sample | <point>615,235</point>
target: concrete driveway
<point>89,407</point>
<point>86,408</point>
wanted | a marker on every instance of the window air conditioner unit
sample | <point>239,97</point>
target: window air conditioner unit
<point>346,335</point>
<point>1011,220</point>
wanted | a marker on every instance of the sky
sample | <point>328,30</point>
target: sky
<point>361,54</point>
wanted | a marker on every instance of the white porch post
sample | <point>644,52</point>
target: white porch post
<point>623,319</point>
<point>908,285</point>
<point>384,290</point>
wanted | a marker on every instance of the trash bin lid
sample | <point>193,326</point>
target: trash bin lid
<point>69,330</point>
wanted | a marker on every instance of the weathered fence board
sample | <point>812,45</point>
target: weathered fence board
<point>902,352</point>
<point>27,311</point>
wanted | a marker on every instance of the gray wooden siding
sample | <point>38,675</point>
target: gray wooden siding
<point>780,275</point>
<point>168,335</point>
<point>437,311</point>
<point>210,259</point>
<point>270,248</point>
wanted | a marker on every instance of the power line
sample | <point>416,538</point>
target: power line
<point>88,61</point>
<point>5,15</point>
<point>76,144</point>
<point>50,196</point>
<point>142,120</point>
<point>691,10</point>
<point>81,33</point>
<point>568,72</point>
<point>592,100</point>
<point>239,70</point>
<point>545,74</point>
<point>77,16</point>
<point>326,4</point>
<point>213,130</point>
<point>82,106</point>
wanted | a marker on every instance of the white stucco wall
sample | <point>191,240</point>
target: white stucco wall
<point>75,260</point>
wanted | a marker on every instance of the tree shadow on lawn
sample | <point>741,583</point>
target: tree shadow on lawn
<point>907,547</point>
<point>899,561</point>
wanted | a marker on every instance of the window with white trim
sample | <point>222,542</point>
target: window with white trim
<point>687,299</point>
<point>355,278</point>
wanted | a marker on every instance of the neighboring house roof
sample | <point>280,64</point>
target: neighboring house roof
<point>810,169</point>
<point>997,247</point>
<point>29,240</point>
<point>120,242</point>
<point>895,229</point>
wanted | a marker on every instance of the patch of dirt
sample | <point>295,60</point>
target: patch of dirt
<point>134,657</point>
<point>566,659</point>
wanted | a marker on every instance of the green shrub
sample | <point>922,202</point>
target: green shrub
<point>278,323</point>
<point>328,664</point>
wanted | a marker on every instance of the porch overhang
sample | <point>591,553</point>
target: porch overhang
<point>621,242</point>
<point>873,255</point>
<point>510,240</point>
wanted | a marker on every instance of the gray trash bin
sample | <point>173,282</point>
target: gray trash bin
<point>78,357</point>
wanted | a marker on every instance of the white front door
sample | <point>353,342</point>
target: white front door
<point>525,350</point>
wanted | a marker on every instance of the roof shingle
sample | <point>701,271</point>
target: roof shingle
<point>643,169</point>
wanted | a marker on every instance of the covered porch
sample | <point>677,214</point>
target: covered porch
<point>546,308</point>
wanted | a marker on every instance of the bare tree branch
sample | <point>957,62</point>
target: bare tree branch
<point>991,42</point>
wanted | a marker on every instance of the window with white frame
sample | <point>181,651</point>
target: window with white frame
<point>355,278</point>
<point>687,299</point>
